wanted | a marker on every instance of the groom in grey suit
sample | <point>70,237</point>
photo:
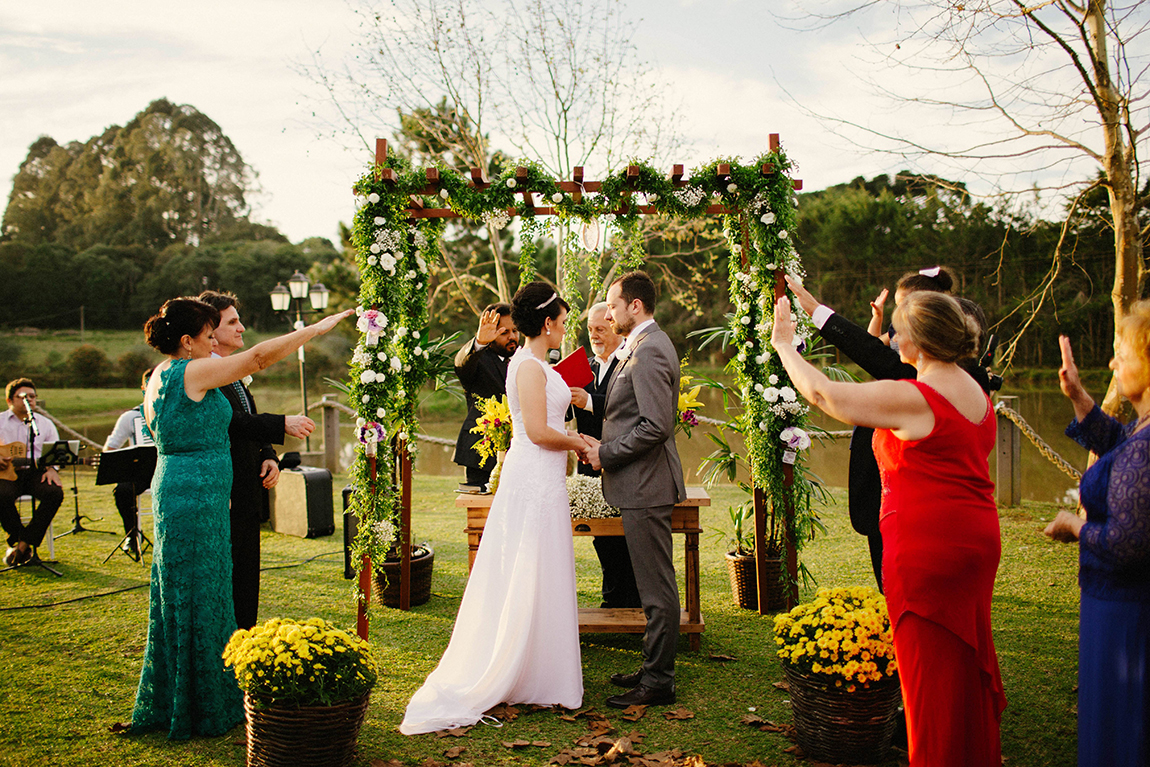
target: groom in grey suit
<point>643,477</point>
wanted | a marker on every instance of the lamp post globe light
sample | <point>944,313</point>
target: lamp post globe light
<point>291,299</point>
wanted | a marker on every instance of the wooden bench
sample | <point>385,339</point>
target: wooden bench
<point>595,620</point>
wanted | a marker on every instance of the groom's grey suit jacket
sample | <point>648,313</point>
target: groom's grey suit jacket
<point>641,467</point>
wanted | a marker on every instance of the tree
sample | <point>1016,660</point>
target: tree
<point>170,175</point>
<point>1039,87</point>
<point>557,81</point>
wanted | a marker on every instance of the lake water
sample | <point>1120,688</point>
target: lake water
<point>1048,412</point>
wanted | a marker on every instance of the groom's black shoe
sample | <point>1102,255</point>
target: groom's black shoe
<point>627,680</point>
<point>643,696</point>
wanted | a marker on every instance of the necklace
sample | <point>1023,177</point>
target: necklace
<point>1142,421</point>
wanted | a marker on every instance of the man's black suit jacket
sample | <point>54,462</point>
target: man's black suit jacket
<point>252,435</point>
<point>483,374</point>
<point>590,422</point>
<point>864,489</point>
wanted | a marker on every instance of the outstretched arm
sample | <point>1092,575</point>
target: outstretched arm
<point>202,375</point>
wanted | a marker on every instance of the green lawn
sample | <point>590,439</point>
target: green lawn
<point>72,647</point>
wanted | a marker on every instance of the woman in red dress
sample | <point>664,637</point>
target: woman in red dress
<point>939,523</point>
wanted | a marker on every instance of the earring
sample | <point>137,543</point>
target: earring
<point>548,332</point>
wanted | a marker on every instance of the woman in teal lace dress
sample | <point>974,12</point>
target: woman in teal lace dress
<point>184,687</point>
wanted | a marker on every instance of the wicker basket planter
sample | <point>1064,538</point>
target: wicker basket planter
<point>744,584</point>
<point>387,577</point>
<point>837,726</point>
<point>318,736</point>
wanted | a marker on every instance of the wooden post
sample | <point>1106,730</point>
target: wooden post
<point>331,442</point>
<point>1008,477</point>
<point>404,476</point>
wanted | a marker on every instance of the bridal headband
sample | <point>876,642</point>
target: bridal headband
<point>549,300</point>
<point>931,272</point>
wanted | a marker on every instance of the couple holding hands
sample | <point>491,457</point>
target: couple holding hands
<point>516,637</point>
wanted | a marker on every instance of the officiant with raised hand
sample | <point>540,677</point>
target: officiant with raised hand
<point>481,366</point>
<point>643,477</point>
<point>619,589</point>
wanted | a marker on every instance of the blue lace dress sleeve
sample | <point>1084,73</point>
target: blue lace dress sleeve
<point>1097,432</point>
<point>1122,540</point>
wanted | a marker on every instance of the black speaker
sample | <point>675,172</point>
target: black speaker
<point>301,503</point>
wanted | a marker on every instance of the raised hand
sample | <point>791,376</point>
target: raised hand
<point>783,331</point>
<point>808,302</point>
<point>1070,383</point>
<point>488,327</point>
<point>876,313</point>
<point>327,323</point>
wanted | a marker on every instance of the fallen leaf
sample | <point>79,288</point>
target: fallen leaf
<point>726,658</point>
<point>507,713</point>
<point>120,727</point>
<point>753,720</point>
<point>634,713</point>
<point>796,750</point>
<point>458,732</point>
<point>454,752</point>
<point>621,747</point>
<point>679,713</point>
<point>635,736</point>
<point>516,743</point>
<point>567,717</point>
<point>541,743</point>
<point>781,685</point>
<point>429,762</point>
<point>694,761</point>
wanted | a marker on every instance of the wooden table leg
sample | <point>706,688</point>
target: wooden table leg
<point>691,565</point>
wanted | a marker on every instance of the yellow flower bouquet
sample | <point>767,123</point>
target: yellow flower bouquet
<point>313,663</point>
<point>842,638</point>
<point>494,426</point>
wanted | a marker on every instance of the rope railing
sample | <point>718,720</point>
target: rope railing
<point>1045,449</point>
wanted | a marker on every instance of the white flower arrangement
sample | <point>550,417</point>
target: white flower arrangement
<point>497,218</point>
<point>586,497</point>
<point>690,196</point>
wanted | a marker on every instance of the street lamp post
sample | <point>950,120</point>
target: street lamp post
<point>291,299</point>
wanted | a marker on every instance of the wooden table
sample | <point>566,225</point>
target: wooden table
<point>595,620</point>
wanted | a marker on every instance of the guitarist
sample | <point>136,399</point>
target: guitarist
<point>43,485</point>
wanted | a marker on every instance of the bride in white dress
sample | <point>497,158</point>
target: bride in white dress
<point>516,638</point>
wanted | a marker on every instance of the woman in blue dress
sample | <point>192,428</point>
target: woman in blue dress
<point>1114,556</point>
<point>184,687</point>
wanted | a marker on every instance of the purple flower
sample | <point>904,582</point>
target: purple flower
<point>688,417</point>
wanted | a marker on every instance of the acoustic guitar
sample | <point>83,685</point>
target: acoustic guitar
<point>11,450</point>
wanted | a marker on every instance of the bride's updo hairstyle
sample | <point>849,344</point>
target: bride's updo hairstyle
<point>937,325</point>
<point>177,318</point>
<point>532,305</point>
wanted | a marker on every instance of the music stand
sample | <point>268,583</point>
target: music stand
<point>66,452</point>
<point>135,465</point>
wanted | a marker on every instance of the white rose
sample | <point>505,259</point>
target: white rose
<point>372,260</point>
<point>787,393</point>
<point>407,368</point>
<point>771,394</point>
<point>365,399</point>
<point>382,356</point>
<point>557,198</point>
<point>373,198</point>
<point>763,425</point>
<point>783,234</point>
<point>772,267</point>
<point>401,331</point>
<point>380,412</point>
<point>396,364</point>
<point>732,188</point>
<point>742,357</point>
<point>358,311</point>
<point>374,247</point>
<point>421,264</point>
<point>774,379</point>
<point>380,220</point>
<point>767,218</point>
<point>786,434</point>
<point>367,376</point>
<point>652,197</point>
<point>510,183</point>
<point>444,193</point>
<point>746,320</point>
<point>418,352</point>
<point>360,422</point>
<point>758,386</point>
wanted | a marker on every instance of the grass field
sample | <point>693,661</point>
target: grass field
<point>72,647</point>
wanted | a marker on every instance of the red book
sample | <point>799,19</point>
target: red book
<point>575,369</point>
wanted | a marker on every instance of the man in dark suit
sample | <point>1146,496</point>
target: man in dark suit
<point>882,363</point>
<point>619,589</point>
<point>255,467</point>
<point>481,366</point>
<point>642,475</point>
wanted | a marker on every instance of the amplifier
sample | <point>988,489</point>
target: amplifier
<point>301,503</point>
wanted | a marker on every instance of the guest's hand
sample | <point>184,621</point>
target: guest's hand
<point>1065,527</point>
<point>298,426</point>
<point>270,472</point>
<point>783,332</point>
<point>488,327</point>
<point>327,323</point>
<point>876,313</point>
<point>1070,383</point>
<point>51,477</point>
<point>579,397</point>
<point>808,302</point>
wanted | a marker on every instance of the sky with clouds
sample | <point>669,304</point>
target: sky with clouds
<point>70,69</point>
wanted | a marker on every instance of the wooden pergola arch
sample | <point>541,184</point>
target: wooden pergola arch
<point>576,187</point>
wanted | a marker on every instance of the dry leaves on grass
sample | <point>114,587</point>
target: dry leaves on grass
<point>458,732</point>
<point>454,752</point>
<point>781,686</point>
<point>679,713</point>
<point>634,713</point>
<point>526,743</point>
<point>504,712</point>
<point>766,725</point>
<point>722,658</point>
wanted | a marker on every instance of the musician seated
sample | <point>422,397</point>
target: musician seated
<point>129,431</point>
<point>18,475</point>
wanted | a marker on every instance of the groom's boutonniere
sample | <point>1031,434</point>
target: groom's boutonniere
<point>247,380</point>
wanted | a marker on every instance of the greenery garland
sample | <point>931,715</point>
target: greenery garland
<point>393,254</point>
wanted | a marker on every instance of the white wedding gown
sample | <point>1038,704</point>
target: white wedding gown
<point>516,638</point>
